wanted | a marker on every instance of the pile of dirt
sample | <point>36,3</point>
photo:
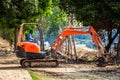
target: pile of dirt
<point>87,55</point>
<point>84,54</point>
<point>5,45</point>
<point>82,51</point>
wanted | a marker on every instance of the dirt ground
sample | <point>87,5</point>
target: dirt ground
<point>11,70</point>
<point>82,72</point>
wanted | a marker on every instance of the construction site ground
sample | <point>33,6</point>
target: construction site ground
<point>11,70</point>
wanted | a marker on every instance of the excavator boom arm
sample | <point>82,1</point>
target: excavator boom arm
<point>76,31</point>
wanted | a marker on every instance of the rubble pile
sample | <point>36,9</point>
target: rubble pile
<point>5,46</point>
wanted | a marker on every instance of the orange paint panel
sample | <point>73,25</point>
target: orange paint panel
<point>29,47</point>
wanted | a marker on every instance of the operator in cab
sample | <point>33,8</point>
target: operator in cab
<point>29,36</point>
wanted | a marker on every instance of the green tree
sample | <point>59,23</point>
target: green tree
<point>15,12</point>
<point>57,20</point>
<point>103,15</point>
<point>52,23</point>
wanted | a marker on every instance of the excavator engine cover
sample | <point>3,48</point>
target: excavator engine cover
<point>29,50</point>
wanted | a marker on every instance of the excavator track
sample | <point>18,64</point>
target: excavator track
<point>39,63</point>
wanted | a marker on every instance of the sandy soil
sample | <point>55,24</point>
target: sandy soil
<point>14,75</point>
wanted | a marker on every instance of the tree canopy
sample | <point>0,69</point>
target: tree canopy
<point>57,20</point>
<point>14,12</point>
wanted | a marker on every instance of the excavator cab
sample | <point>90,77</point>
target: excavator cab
<point>30,51</point>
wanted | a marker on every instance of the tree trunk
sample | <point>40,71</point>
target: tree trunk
<point>118,48</point>
<point>41,37</point>
<point>15,39</point>
<point>111,39</point>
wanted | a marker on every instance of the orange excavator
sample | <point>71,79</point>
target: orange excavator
<point>35,55</point>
